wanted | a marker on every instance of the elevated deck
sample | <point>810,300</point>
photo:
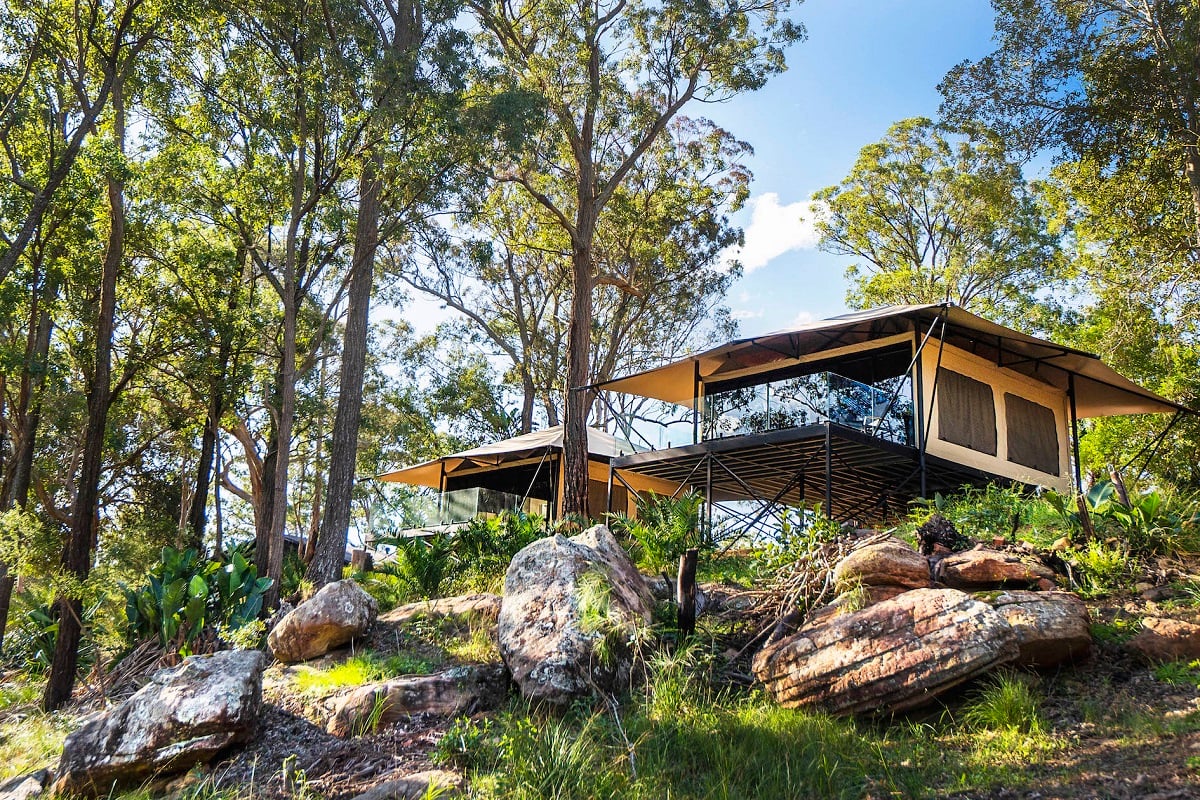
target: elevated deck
<point>852,474</point>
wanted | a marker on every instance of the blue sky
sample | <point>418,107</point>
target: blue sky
<point>865,65</point>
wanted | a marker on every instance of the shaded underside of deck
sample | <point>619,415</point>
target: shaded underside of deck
<point>859,476</point>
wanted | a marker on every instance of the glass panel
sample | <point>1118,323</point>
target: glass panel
<point>463,505</point>
<point>884,409</point>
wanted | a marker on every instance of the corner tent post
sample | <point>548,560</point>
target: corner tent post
<point>828,469</point>
<point>1075,432</point>
<point>608,502</point>
<point>708,493</point>
<point>696,403</point>
<point>932,399</point>
<point>441,490</point>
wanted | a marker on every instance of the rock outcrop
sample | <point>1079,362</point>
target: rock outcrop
<point>1052,628</point>
<point>985,569</point>
<point>564,599</point>
<point>184,716</point>
<point>336,614</point>
<point>895,655</point>
<point>887,563</point>
<point>460,690</point>
<point>1165,639</point>
<point>483,606</point>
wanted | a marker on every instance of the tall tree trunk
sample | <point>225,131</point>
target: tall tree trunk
<point>575,407</point>
<point>26,415</point>
<point>326,565</point>
<point>77,555</point>
<point>198,514</point>
<point>264,512</point>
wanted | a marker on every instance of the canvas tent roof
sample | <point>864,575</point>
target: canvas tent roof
<point>1099,389</point>
<point>600,444</point>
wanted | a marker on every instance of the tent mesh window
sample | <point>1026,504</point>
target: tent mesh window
<point>1032,434</point>
<point>966,412</point>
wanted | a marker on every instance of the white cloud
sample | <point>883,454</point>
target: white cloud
<point>745,313</point>
<point>803,318</point>
<point>775,229</point>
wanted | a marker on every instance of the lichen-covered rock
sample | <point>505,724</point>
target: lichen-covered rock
<point>184,716</point>
<point>548,646</point>
<point>459,690</point>
<point>333,616</point>
<point>417,786</point>
<point>1052,628</point>
<point>887,563</point>
<point>982,568</point>
<point>1165,639</point>
<point>25,787</point>
<point>855,600</point>
<point>482,605</point>
<point>894,655</point>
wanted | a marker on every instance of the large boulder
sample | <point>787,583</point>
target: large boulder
<point>333,616</point>
<point>459,690</point>
<point>1052,628</point>
<point>183,717</point>
<point>482,605</point>
<point>564,599</point>
<point>887,563</point>
<point>992,569</point>
<point>892,656</point>
<point>1165,639</point>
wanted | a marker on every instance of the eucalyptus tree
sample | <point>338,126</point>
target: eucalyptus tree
<point>1111,88</point>
<point>411,60</point>
<point>610,76</point>
<point>936,213</point>
<point>110,72</point>
<point>657,261</point>
<point>1110,80</point>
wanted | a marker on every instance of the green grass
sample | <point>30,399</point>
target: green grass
<point>679,737</point>
<point>1008,703</point>
<point>1179,673</point>
<point>365,668</point>
<point>1116,632</point>
<point>29,738</point>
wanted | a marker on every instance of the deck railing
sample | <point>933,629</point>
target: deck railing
<point>883,409</point>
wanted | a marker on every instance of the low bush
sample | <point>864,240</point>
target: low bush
<point>185,595</point>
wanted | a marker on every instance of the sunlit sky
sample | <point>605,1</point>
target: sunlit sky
<point>865,65</point>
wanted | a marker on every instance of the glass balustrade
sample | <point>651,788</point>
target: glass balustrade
<point>883,409</point>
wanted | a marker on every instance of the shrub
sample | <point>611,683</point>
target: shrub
<point>423,564</point>
<point>184,595</point>
<point>1153,523</point>
<point>665,528</point>
<point>1100,568</point>
<point>484,547</point>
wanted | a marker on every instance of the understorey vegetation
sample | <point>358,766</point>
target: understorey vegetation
<point>692,722</point>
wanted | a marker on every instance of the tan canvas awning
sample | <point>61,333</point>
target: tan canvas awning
<point>1099,390</point>
<point>528,446</point>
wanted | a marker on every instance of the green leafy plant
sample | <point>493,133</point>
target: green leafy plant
<point>1153,522</point>
<point>184,594</point>
<point>664,529</point>
<point>424,564</point>
<point>1179,673</point>
<point>1100,568</point>
<point>485,546</point>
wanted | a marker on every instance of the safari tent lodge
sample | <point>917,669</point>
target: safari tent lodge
<point>864,412</point>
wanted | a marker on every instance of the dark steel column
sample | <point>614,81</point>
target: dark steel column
<point>1074,432</point>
